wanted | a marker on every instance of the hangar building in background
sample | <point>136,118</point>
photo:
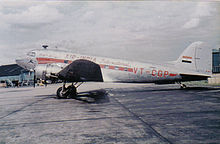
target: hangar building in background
<point>216,60</point>
<point>215,79</point>
<point>14,75</point>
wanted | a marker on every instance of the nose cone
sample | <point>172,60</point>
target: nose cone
<point>27,63</point>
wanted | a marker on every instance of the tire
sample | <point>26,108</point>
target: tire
<point>72,91</point>
<point>59,94</point>
<point>183,86</point>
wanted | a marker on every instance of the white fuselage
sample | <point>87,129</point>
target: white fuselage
<point>113,70</point>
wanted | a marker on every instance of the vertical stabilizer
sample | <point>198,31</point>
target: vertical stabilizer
<point>196,58</point>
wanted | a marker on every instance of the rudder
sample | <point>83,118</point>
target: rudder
<point>196,58</point>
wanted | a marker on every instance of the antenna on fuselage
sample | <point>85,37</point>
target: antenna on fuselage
<point>45,46</point>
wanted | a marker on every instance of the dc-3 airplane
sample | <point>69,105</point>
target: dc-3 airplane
<point>192,65</point>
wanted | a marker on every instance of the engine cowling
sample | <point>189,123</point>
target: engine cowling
<point>47,71</point>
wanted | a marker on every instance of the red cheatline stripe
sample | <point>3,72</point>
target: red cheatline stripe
<point>49,60</point>
<point>187,57</point>
<point>172,74</point>
<point>101,65</point>
<point>130,69</point>
<point>116,68</point>
<point>121,68</point>
<point>69,62</point>
<point>112,67</point>
<point>52,60</point>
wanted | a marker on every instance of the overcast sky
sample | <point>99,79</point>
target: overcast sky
<point>138,31</point>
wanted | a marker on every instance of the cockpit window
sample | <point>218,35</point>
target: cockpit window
<point>32,54</point>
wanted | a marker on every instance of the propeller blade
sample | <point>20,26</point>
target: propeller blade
<point>34,78</point>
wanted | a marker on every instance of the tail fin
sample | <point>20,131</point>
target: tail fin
<point>196,58</point>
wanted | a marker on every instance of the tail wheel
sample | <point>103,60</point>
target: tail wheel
<point>183,86</point>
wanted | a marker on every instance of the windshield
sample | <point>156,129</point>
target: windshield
<point>31,54</point>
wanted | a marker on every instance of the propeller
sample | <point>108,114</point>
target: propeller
<point>44,77</point>
<point>34,78</point>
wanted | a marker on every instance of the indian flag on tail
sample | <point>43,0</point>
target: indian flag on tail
<point>186,59</point>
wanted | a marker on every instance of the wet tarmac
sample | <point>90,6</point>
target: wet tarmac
<point>111,113</point>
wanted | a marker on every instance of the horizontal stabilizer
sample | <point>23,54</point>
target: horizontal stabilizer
<point>194,77</point>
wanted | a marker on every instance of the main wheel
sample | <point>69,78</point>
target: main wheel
<point>72,91</point>
<point>59,93</point>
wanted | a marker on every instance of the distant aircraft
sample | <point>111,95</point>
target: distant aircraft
<point>192,65</point>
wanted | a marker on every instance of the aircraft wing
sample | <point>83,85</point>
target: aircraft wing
<point>193,76</point>
<point>81,71</point>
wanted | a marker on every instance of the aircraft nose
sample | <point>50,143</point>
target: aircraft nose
<point>22,62</point>
<point>26,63</point>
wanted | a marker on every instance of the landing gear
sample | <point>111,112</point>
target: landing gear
<point>183,86</point>
<point>67,92</point>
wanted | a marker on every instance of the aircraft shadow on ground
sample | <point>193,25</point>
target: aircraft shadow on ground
<point>201,88</point>
<point>95,96</point>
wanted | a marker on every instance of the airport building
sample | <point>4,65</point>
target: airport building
<point>14,75</point>
<point>216,61</point>
<point>215,79</point>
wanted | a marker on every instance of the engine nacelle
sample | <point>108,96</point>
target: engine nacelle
<point>46,71</point>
